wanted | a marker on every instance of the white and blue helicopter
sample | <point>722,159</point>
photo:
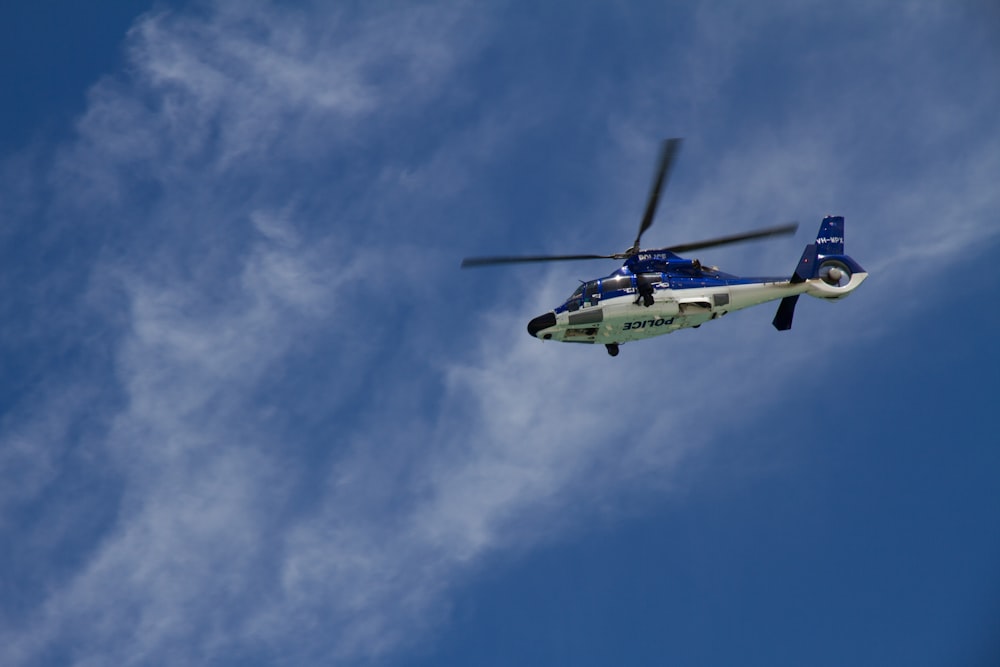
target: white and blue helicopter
<point>657,292</point>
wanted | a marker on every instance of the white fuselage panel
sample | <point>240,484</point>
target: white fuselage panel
<point>621,320</point>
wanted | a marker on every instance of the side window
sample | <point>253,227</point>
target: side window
<point>649,279</point>
<point>615,284</point>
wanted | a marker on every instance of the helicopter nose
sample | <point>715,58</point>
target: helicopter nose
<point>541,322</point>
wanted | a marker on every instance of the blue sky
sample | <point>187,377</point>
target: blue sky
<point>252,413</point>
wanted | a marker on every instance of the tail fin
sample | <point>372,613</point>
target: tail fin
<point>830,240</point>
<point>824,259</point>
<point>826,251</point>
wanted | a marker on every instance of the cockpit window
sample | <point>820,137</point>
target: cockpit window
<point>585,294</point>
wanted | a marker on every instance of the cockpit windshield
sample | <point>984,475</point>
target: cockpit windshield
<point>585,294</point>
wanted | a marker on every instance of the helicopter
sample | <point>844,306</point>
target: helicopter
<point>656,291</point>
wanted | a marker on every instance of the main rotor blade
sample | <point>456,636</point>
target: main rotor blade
<point>736,238</point>
<point>470,262</point>
<point>667,152</point>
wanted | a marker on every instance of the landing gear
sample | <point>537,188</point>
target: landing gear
<point>612,349</point>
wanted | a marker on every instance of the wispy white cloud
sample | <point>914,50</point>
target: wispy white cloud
<point>283,499</point>
<point>220,293</point>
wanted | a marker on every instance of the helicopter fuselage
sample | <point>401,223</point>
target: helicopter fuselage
<point>657,293</point>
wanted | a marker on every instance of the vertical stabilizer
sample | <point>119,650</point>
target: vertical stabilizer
<point>831,274</point>
<point>830,240</point>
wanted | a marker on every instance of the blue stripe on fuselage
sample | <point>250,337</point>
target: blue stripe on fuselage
<point>675,282</point>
